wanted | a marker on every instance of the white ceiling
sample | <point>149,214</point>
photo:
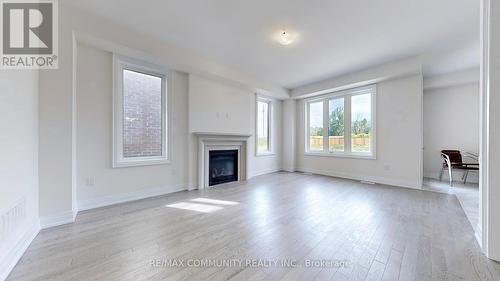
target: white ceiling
<point>336,36</point>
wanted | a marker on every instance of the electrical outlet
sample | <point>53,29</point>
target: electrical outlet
<point>90,181</point>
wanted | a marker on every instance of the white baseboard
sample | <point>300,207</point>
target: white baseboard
<point>14,255</point>
<point>381,180</point>
<point>58,219</point>
<point>127,197</point>
<point>264,172</point>
<point>289,169</point>
<point>478,233</point>
<point>457,176</point>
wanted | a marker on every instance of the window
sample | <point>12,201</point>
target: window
<point>336,125</point>
<point>140,114</point>
<point>342,123</point>
<point>263,126</point>
<point>361,123</point>
<point>316,126</point>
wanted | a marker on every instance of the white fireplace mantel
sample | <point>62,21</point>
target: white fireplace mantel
<point>215,141</point>
<point>219,135</point>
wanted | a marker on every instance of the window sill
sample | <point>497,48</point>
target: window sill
<point>342,155</point>
<point>265,154</point>
<point>139,163</point>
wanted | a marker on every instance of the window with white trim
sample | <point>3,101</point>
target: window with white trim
<point>140,113</point>
<point>342,123</point>
<point>263,126</point>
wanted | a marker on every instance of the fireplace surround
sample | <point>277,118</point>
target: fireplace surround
<point>216,143</point>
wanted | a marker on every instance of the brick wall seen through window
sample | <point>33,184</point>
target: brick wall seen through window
<point>142,114</point>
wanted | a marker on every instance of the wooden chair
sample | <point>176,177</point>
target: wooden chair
<point>452,159</point>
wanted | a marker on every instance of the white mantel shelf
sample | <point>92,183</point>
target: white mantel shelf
<point>213,134</point>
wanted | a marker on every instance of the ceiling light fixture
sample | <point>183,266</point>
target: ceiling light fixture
<point>285,38</point>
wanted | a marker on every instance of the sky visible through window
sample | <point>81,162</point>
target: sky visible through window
<point>361,123</point>
<point>263,126</point>
<point>316,114</point>
<point>361,105</point>
<point>336,103</point>
<point>262,118</point>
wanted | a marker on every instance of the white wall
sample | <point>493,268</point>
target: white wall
<point>94,138</point>
<point>451,121</point>
<point>399,139</point>
<point>218,107</point>
<point>289,134</point>
<point>55,138</point>
<point>19,164</point>
<point>58,107</point>
<point>459,78</point>
<point>372,75</point>
<point>199,104</point>
<point>490,132</point>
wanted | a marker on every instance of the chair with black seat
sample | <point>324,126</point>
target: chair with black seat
<point>452,159</point>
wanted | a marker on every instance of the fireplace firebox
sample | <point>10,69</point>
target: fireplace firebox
<point>222,166</point>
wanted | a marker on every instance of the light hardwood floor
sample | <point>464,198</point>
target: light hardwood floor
<point>385,233</point>
<point>467,195</point>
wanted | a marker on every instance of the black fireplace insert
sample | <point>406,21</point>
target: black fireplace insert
<point>222,166</point>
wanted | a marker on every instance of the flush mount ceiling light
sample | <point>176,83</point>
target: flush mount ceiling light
<point>286,38</point>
